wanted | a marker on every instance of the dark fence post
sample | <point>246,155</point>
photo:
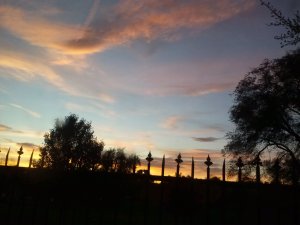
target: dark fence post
<point>276,168</point>
<point>146,203</point>
<point>20,152</point>
<point>163,166</point>
<point>30,160</point>
<point>208,163</point>
<point>258,163</point>
<point>178,161</point>
<point>240,164</point>
<point>161,202</point>
<point>193,168</point>
<point>149,159</point>
<point>6,158</point>
<point>223,171</point>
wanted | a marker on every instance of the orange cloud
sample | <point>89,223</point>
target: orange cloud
<point>131,20</point>
<point>25,68</point>
<point>127,21</point>
<point>36,29</point>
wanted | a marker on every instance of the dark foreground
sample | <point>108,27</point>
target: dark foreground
<point>42,197</point>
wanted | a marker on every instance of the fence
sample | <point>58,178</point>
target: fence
<point>178,160</point>
<point>32,196</point>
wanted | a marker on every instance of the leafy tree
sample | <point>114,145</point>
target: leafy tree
<point>71,145</point>
<point>107,160</point>
<point>133,161</point>
<point>266,111</point>
<point>121,161</point>
<point>291,25</point>
<point>115,160</point>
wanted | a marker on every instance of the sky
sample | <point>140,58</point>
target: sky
<point>149,75</point>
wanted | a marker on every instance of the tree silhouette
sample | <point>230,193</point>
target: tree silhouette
<point>115,160</point>
<point>107,160</point>
<point>266,111</point>
<point>133,161</point>
<point>71,145</point>
<point>121,161</point>
<point>291,25</point>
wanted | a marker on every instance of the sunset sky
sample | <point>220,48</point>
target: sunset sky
<point>150,75</point>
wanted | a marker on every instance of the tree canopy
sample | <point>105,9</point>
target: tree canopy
<point>71,145</point>
<point>115,160</point>
<point>291,36</point>
<point>266,110</point>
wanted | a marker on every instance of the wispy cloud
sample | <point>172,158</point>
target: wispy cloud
<point>106,98</point>
<point>106,27</point>
<point>127,21</point>
<point>28,111</point>
<point>153,19</point>
<point>4,128</point>
<point>26,68</point>
<point>206,139</point>
<point>36,29</point>
<point>171,122</point>
<point>91,107</point>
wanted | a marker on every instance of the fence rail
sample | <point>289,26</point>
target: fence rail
<point>32,196</point>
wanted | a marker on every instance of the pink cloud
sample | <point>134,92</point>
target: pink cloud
<point>37,29</point>
<point>127,21</point>
<point>153,19</point>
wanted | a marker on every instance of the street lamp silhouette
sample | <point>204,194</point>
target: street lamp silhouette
<point>20,152</point>
<point>179,161</point>
<point>208,163</point>
<point>149,159</point>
